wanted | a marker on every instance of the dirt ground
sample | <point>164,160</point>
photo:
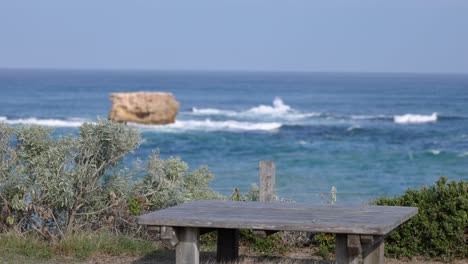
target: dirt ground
<point>168,257</point>
<point>298,258</point>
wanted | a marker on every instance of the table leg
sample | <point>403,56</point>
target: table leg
<point>188,248</point>
<point>375,254</point>
<point>227,250</point>
<point>342,254</point>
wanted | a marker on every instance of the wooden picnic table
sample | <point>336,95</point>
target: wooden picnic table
<point>359,229</point>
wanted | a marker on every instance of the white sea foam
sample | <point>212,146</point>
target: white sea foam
<point>278,110</point>
<point>415,119</point>
<point>464,154</point>
<point>369,117</point>
<point>73,122</point>
<point>353,127</point>
<point>435,152</point>
<point>209,125</point>
<point>213,111</point>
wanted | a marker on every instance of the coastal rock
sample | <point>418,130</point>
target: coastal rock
<point>143,107</point>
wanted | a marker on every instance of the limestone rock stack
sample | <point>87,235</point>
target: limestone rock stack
<point>144,107</point>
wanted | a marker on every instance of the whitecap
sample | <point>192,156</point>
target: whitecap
<point>212,111</point>
<point>3,118</point>
<point>302,142</point>
<point>278,110</point>
<point>369,117</point>
<point>435,151</point>
<point>415,119</point>
<point>353,127</point>
<point>73,122</point>
<point>464,154</point>
<point>209,125</point>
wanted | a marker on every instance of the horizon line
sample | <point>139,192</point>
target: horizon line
<point>226,71</point>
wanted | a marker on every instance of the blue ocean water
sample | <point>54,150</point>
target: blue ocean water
<point>369,135</point>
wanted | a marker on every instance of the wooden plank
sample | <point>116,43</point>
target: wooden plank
<point>367,239</point>
<point>374,254</point>
<point>188,248</point>
<point>365,220</point>
<point>267,181</point>
<point>342,254</point>
<point>227,246</point>
<point>154,228</point>
<point>354,245</point>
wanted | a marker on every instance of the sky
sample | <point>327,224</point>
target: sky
<point>241,35</point>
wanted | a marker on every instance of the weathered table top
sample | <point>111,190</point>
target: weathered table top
<point>368,220</point>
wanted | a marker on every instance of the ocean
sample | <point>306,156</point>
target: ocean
<point>368,135</point>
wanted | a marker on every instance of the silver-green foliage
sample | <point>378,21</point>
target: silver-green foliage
<point>53,186</point>
<point>48,185</point>
<point>168,182</point>
<point>12,187</point>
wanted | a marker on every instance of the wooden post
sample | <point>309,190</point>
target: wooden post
<point>341,252</point>
<point>375,254</point>
<point>266,188</point>
<point>188,248</point>
<point>227,250</point>
<point>267,181</point>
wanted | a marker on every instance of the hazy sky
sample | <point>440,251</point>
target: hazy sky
<point>271,35</point>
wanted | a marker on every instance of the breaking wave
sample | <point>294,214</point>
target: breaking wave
<point>72,122</point>
<point>212,111</point>
<point>278,110</point>
<point>209,125</point>
<point>371,117</point>
<point>415,119</point>
<point>178,126</point>
<point>353,127</point>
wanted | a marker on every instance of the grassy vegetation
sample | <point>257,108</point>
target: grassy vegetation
<point>264,245</point>
<point>28,245</point>
<point>77,246</point>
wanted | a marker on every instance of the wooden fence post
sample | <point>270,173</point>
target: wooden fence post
<point>266,189</point>
<point>267,181</point>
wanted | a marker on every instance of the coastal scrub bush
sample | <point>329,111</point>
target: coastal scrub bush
<point>55,186</point>
<point>12,184</point>
<point>52,185</point>
<point>168,182</point>
<point>441,227</point>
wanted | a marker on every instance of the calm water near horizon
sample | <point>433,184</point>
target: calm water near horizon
<point>369,135</point>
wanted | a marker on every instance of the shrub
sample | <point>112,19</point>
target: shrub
<point>168,183</point>
<point>325,244</point>
<point>441,227</point>
<point>265,245</point>
<point>53,185</point>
